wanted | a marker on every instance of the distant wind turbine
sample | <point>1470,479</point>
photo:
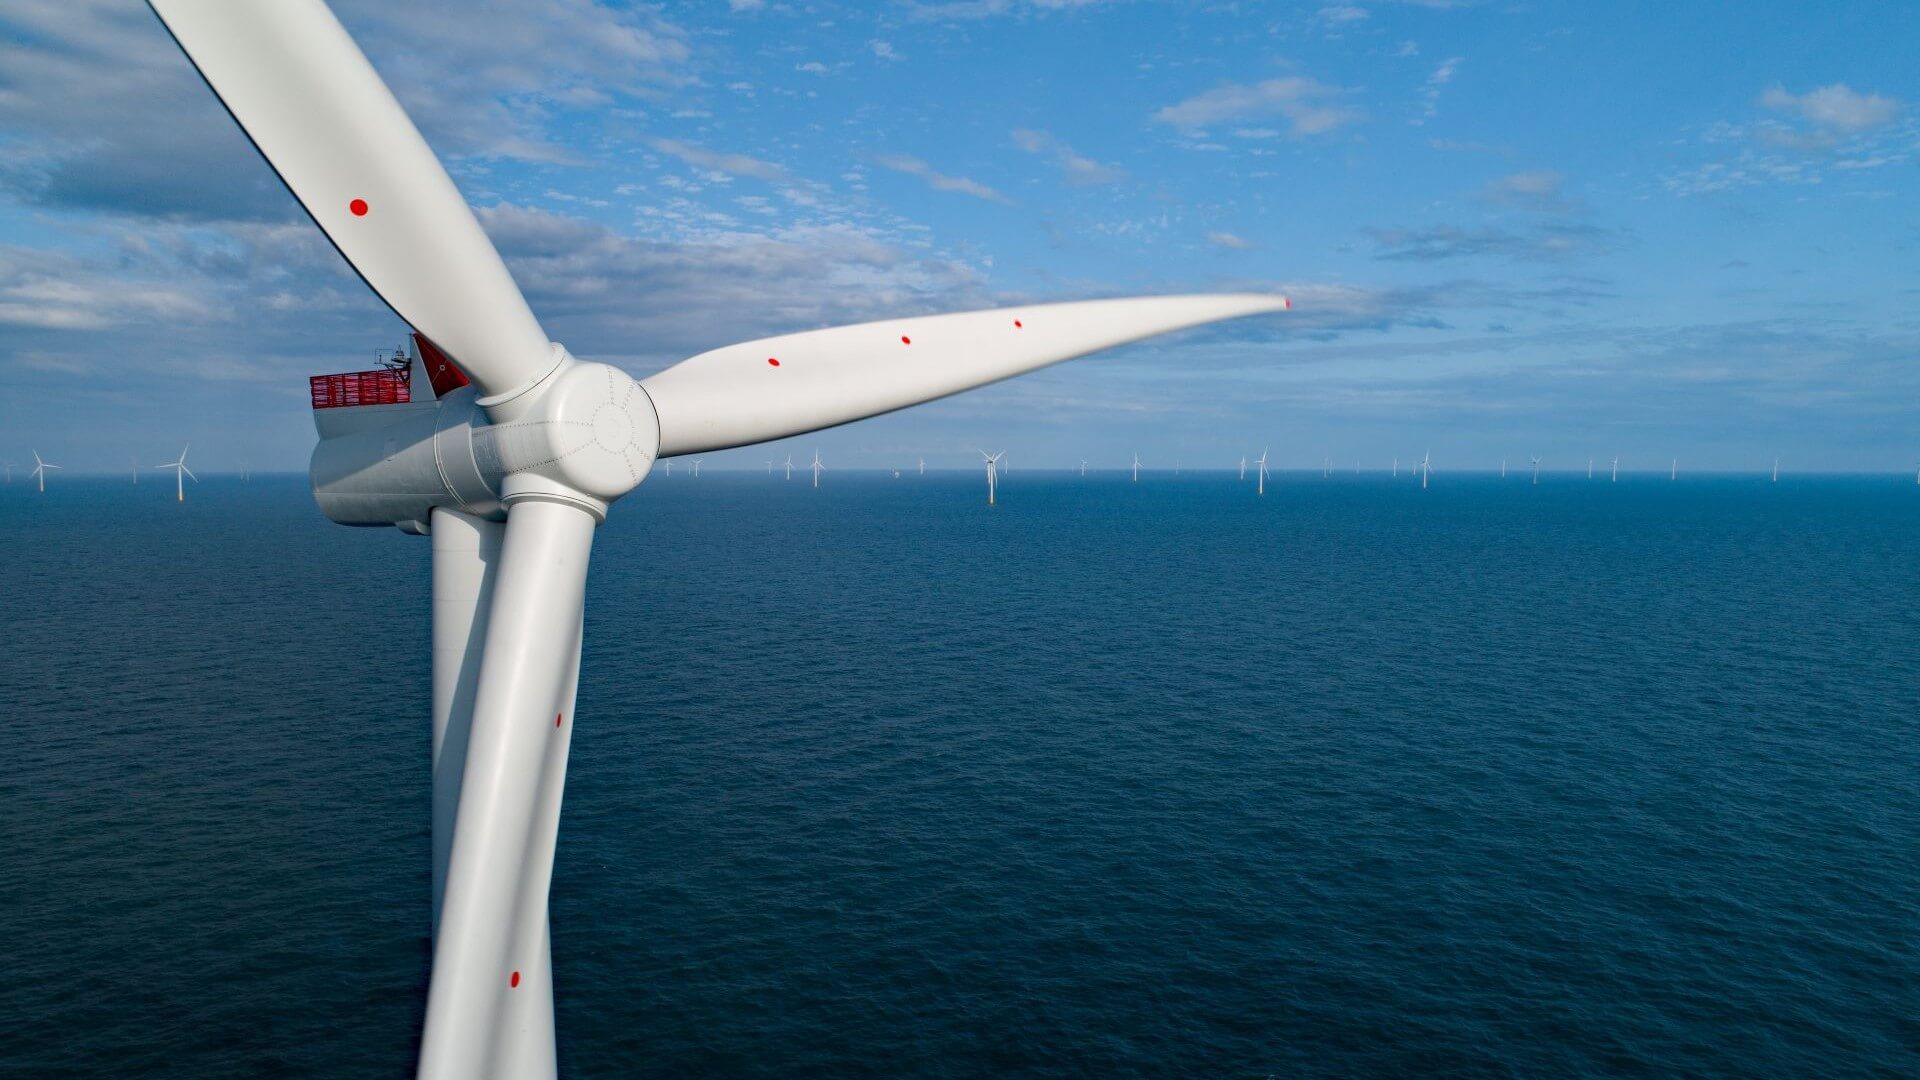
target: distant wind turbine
<point>1674,473</point>
<point>923,466</point>
<point>668,462</point>
<point>769,466</point>
<point>135,462</point>
<point>1776,470</point>
<point>789,466</point>
<point>1083,468</point>
<point>993,472</point>
<point>1536,470</point>
<point>1136,468</point>
<point>696,468</point>
<point>1589,468</point>
<point>1616,469</point>
<point>1243,466</point>
<point>40,471</point>
<point>1426,469</point>
<point>180,474</point>
<point>1263,472</point>
<point>1326,468</point>
<point>1396,468</point>
<point>817,468</point>
<point>1503,468</point>
<point>9,472</point>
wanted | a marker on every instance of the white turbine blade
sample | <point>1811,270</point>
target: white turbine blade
<point>788,385</point>
<point>321,116</point>
<point>189,472</point>
<point>488,1001</point>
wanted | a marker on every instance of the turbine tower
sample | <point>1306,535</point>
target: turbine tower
<point>1776,470</point>
<point>1674,472</point>
<point>817,468</point>
<point>39,471</point>
<point>1083,468</point>
<point>1503,468</point>
<point>993,472</point>
<point>696,468</point>
<point>1136,468</point>
<point>1396,468</point>
<point>1263,472</point>
<point>1536,470</point>
<point>1589,468</point>
<point>1426,469</point>
<point>789,466</point>
<point>1243,466</point>
<point>135,462</point>
<point>180,473</point>
<point>1616,469</point>
<point>558,441</point>
<point>923,466</point>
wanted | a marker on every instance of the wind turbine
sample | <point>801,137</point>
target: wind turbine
<point>180,473</point>
<point>1263,472</point>
<point>1136,468</point>
<point>39,471</point>
<point>669,464</point>
<point>1776,470</point>
<point>1674,472</point>
<point>923,466</point>
<point>1243,466</point>
<point>817,468</point>
<point>1083,468</point>
<point>135,462</point>
<point>1326,468</point>
<point>1503,468</point>
<point>1396,468</point>
<point>558,440</point>
<point>993,466</point>
<point>1589,468</point>
<point>769,466</point>
<point>696,468</point>
<point>9,466</point>
<point>789,466</point>
<point>1536,470</point>
<point>1426,469</point>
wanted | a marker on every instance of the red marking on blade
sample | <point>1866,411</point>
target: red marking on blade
<point>1286,303</point>
<point>1016,324</point>
<point>359,207</point>
<point>771,362</point>
<point>515,981</point>
<point>905,340</point>
<point>556,719</point>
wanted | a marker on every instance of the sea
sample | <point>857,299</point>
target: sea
<point>1110,779</point>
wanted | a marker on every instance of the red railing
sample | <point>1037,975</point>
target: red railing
<point>385,387</point>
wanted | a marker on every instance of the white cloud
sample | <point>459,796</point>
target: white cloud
<point>1310,106</point>
<point>720,161</point>
<point>1436,82</point>
<point>938,181</point>
<point>885,50</point>
<point>1230,241</point>
<point>1835,108</point>
<point>1079,169</point>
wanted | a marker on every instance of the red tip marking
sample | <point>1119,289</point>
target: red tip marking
<point>556,719</point>
<point>772,362</point>
<point>1286,303</point>
<point>905,340</point>
<point>359,207</point>
<point>515,981</point>
<point>1016,324</point>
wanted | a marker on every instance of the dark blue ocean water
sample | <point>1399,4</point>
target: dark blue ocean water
<point>1110,779</point>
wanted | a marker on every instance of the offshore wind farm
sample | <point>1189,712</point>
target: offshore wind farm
<point>580,645</point>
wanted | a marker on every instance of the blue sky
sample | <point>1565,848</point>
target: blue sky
<point>1566,229</point>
